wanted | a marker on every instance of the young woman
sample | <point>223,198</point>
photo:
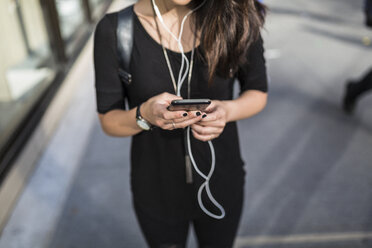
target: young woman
<point>221,42</point>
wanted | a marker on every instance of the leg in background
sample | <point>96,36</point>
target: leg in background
<point>354,90</point>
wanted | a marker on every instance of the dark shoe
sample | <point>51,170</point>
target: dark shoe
<point>349,100</point>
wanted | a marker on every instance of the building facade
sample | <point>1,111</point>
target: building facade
<point>39,41</point>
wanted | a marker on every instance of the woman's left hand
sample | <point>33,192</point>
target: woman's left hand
<point>213,124</point>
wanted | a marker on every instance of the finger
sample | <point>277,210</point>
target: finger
<point>196,113</point>
<point>174,125</point>
<point>203,137</point>
<point>188,117</point>
<point>206,130</point>
<point>189,122</point>
<point>211,107</point>
<point>170,97</point>
<point>185,116</point>
<point>218,123</point>
<point>208,117</point>
<point>170,115</point>
<point>169,126</point>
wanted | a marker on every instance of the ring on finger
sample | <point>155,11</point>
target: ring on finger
<point>174,125</point>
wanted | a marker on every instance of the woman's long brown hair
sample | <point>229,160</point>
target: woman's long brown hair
<point>228,28</point>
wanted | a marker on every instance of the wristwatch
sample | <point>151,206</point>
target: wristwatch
<point>142,123</point>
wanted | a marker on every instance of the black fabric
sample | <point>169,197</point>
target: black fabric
<point>209,232</point>
<point>158,178</point>
<point>368,12</point>
<point>362,86</point>
<point>109,89</point>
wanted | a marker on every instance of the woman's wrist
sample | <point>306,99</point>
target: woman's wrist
<point>226,105</point>
<point>245,106</point>
<point>144,111</point>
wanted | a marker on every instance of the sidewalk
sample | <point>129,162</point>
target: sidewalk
<point>308,165</point>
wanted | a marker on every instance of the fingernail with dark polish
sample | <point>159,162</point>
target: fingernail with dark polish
<point>204,116</point>
<point>198,113</point>
<point>184,114</point>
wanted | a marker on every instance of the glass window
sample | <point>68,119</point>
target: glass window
<point>97,6</point>
<point>71,16</point>
<point>26,68</point>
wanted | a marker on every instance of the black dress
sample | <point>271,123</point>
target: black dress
<point>158,177</point>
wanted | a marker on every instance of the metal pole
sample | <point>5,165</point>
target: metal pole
<point>23,27</point>
<point>87,11</point>
<point>51,18</point>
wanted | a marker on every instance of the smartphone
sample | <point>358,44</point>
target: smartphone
<point>189,105</point>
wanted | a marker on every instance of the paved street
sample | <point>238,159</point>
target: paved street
<point>309,166</point>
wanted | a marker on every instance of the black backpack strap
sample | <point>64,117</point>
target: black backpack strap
<point>124,35</point>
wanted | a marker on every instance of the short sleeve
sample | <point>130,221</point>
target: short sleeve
<point>252,75</point>
<point>110,92</point>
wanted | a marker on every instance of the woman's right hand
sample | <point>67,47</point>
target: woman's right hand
<point>155,111</point>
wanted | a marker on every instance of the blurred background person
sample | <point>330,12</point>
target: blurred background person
<point>354,89</point>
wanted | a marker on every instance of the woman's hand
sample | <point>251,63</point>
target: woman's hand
<point>155,111</point>
<point>212,123</point>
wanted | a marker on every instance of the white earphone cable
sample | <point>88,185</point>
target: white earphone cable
<point>181,78</point>
<point>207,179</point>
